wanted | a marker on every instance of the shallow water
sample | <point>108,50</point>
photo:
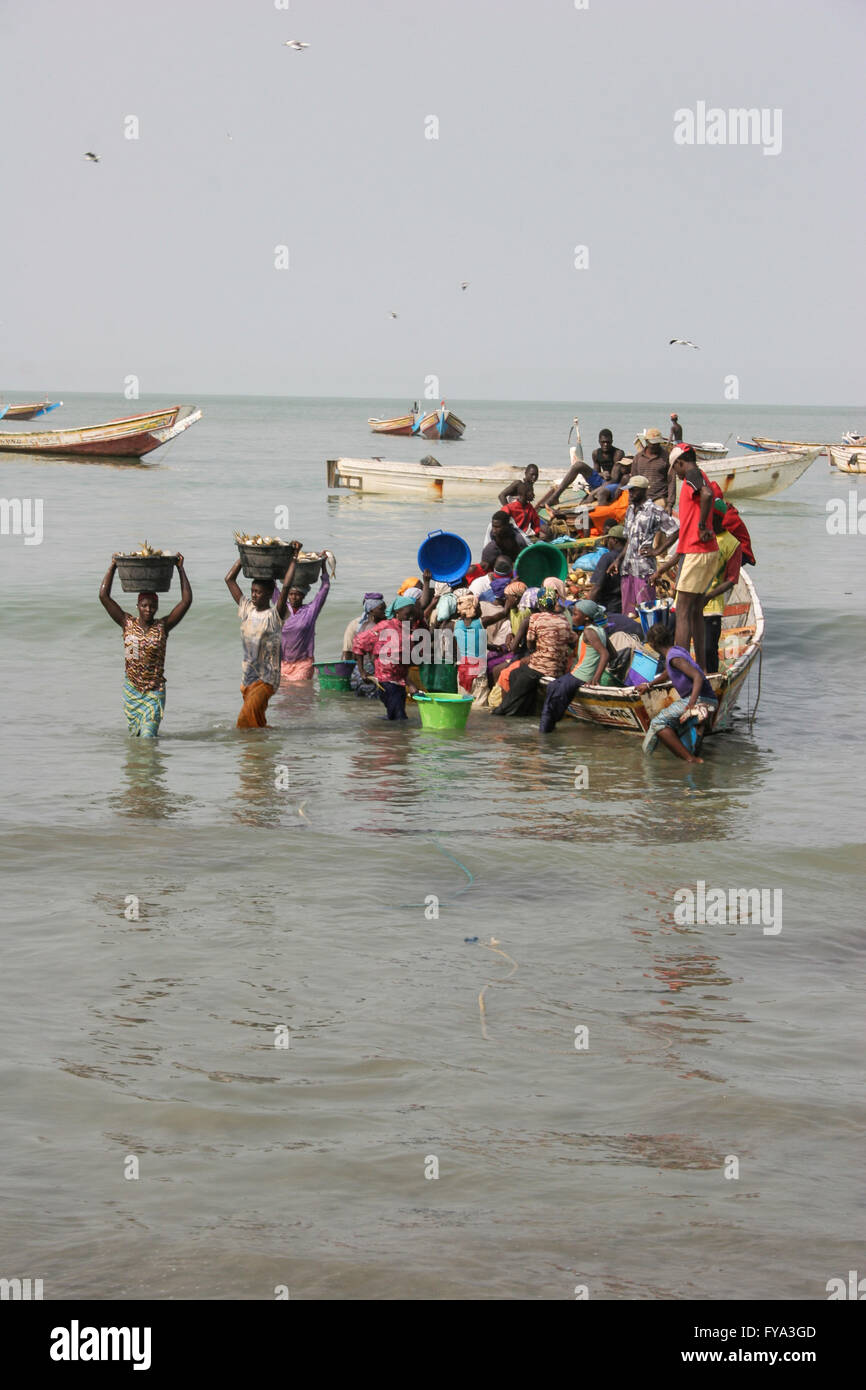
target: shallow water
<point>309,908</point>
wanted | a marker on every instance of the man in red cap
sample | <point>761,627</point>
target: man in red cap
<point>697,544</point>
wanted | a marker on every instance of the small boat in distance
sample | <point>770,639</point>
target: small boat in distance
<point>788,446</point>
<point>750,446</point>
<point>31,410</point>
<point>442,424</point>
<point>848,460</point>
<point>709,451</point>
<point>132,437</point>
<point>401,424</point>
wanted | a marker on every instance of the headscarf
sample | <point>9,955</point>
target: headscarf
<point>446,608</point>
<point>498,585</point>
<point>410,583</point>
<point>529,600</point>
<point>371,601</point>
<point>399,605</point>
<point>515,589</point>
<point>411,593</point>
<point>468,606</point>
<point>593,611</point>
<point>548,601</point>
<point>555,584</point>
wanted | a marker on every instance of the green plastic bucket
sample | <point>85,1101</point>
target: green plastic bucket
<point>444,711</point>
<point>334,675</point>
<point>537,562</point>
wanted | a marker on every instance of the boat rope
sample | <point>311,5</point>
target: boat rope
<point>470,877</point>
<point>758,695</point>
<point>492,945</point>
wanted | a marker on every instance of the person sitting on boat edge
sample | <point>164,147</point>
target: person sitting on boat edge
<point>373,612</point>
<point>299,630</point>
<point>144,641</point>
<point>607,459</point>
<point>528,481</point>
<point>503,538</point>
<point>589,668</point>
<point>697,702</point>
<point>261,628</point>
<point>578,469</point>
<point>519,507</point>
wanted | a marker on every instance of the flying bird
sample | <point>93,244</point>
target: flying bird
<point>464,284</point>
<point>683,342</point>
<point>392,315</point>
<point>94,158</point>
<point>296,44</point>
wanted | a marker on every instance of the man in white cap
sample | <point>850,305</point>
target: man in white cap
<point>643,521</point>
<point>697,544</point>
<point>652,463</point>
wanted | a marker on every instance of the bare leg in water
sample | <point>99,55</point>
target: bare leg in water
<point>670,740</point>
<point>690,624</point>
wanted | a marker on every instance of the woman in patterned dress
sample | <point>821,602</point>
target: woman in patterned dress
<point>144,640</point>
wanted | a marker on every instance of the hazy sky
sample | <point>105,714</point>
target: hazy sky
<point>556,130</point>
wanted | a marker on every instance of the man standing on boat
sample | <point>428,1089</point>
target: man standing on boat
<point>644,520</point>
<point>676,429</point>
<point>651,462</point>
<point>697,545</point>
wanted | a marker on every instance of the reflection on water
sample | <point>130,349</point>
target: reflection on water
<point>145,794</point>
<point>258,768</point>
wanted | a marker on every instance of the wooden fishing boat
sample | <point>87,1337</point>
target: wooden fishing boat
<point>788,446</point>
<point>848,460</point>
<point>436,482</point>
<point>402,424</point>
<point>760,474</point>
<point>442,424</point>
<point>709,452</point>
<point>132,437</point>
<point>31,410</point>
<point>751,447</point>
<point>739,647</point>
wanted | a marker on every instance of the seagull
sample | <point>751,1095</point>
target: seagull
<point>392,315</point>
<point>94,158</point>
<point>464,284</point>
<point>296,44</point>
<point>683,342</point>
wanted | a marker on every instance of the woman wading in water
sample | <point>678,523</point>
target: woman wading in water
<point>144,641</point>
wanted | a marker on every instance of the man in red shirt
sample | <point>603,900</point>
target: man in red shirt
<point>697,544</point>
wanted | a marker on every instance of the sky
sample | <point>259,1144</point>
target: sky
<point>555,129</point>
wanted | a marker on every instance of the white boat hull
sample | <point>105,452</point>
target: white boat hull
<point>759,475</point>
<point>424,480</point>
<point>848,459</point>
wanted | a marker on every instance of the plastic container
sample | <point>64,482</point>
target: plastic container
<point>644,667</point>
<point>659,612</point>
<point>445,555</point>
<point>306,572</point>
<point>444,711</point>
<point>590,558</point>
<point>140,573</point>
<point>334,675</point>
<point>264,561</point>
<point>537,562</point>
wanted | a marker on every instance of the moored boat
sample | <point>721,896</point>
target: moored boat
<point>132,437</point>
<point>751,447</point>
<point>848,460</point>
<point>401,425</point>
<point>740,645</point>
<point>29,410</point>
<point>761,474</point>
<point>709,451</point>
<point>788,446</point>
<point>442,424</point>
<point>417,479</point>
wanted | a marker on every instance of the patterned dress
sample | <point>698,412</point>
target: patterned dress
<point>144,686</point>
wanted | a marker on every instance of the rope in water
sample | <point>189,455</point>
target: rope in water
<point>470,876</point>
<point>482,1007</point>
